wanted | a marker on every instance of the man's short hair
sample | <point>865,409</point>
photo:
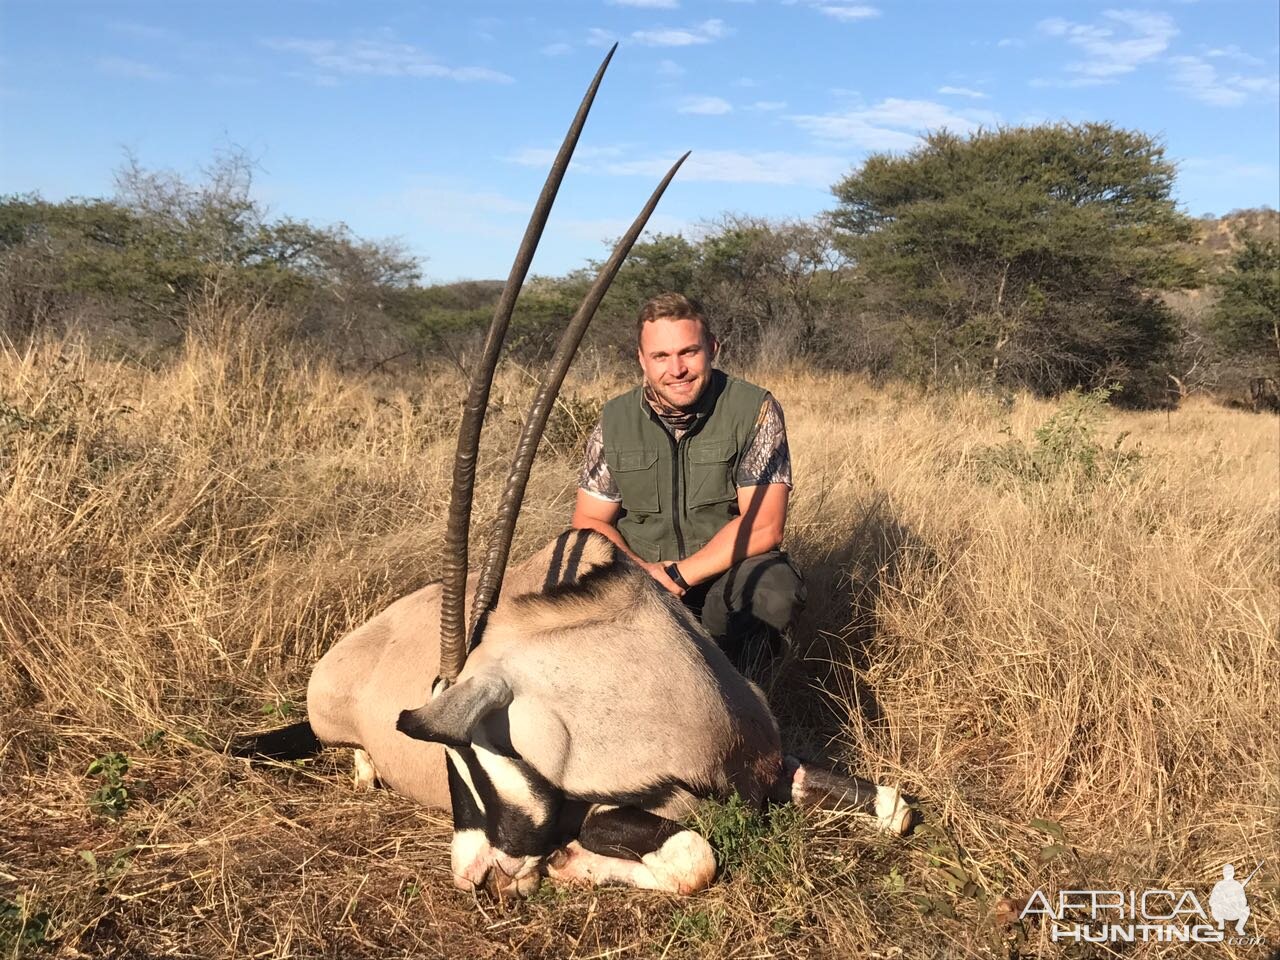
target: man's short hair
<point>672,306</point>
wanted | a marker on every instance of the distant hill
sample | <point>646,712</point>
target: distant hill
<point>1221,235</point>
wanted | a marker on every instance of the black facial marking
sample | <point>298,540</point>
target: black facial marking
<point>626,832</point>
<point>514,831</point>
<point>467,814</point>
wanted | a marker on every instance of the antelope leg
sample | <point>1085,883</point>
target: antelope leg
<point>635,848</point>
<point>813,787</point>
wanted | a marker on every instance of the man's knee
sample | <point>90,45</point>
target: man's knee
<point>777,596</point>
<point>765,590</point>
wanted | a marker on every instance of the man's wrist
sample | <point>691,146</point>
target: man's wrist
<point>673,571</point>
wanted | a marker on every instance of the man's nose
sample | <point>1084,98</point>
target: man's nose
<point>678,367</point>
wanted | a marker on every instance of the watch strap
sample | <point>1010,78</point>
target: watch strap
<point>673,571</point>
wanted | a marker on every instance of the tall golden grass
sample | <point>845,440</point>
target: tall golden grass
<point>1090,650</point>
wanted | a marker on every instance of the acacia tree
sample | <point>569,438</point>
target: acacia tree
<point>1246,319</point>
<point>1022,255</point>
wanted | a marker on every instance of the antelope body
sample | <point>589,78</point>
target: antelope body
<point>601,641</point>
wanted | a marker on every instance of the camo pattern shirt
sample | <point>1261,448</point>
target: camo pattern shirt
<point>765,458</point>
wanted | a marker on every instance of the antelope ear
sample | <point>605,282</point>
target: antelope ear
<point>451,716</point>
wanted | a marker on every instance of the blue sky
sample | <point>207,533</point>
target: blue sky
<point>433,122</point>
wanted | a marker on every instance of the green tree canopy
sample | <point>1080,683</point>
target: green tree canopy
<point>1025,255</point>
<point>1246,319</point>
<point>163,242</point>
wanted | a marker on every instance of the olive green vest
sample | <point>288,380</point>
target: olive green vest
<point>677,495</point>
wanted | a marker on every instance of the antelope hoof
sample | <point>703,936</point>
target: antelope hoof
<point>523,883</point>
<point>893,813</point>
<point>366,775</point>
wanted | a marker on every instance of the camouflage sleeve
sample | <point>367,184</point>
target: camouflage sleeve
<point>766,458</point>
<point>595,477</point>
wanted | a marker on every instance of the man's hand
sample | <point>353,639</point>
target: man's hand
<point>659,573</point>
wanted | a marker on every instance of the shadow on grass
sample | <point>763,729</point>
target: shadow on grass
<point>846,573</point>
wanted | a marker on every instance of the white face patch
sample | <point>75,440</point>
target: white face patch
<point>509,783</point>
<point>470,856</point>
<point>464,772</point>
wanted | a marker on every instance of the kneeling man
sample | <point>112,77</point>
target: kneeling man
<point>690,473</point>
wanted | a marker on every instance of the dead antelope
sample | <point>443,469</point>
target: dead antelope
<point>583,711</point>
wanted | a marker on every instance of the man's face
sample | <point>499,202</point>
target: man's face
<point>676,356</point>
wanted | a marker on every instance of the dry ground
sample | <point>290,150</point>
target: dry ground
<point>1036,635</point>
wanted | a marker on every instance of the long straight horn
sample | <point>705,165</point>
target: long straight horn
<point>522,463</point>
<point>453,641</point>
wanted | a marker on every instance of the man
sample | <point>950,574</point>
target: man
<point>690,474</point>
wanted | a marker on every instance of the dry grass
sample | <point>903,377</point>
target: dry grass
<point>179,544</point>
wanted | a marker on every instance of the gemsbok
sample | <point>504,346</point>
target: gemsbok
<point>584,710</point>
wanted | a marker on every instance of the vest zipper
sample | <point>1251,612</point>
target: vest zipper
<point>677,496</point>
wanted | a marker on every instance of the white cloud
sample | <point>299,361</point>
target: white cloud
<point>1233,52</point>
<point>705,106</point>
<point>963,92</point>
<point>1010,42</point>
<point>131,69</point>
<point>844,10</point>
<point>647,4</point>
<point>1201,80</point>
<point>706,32</point>
<point>769,106</point>
<point>381,57</point>
<point>892,124</point>
<point>731,166</point>
<point>848,12</point>
<point>1119,45</point>
<point>556,49</point>
<point>601,38</point>
<point>669,69</point>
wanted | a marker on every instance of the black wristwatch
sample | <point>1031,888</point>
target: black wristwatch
<point>672,571</point>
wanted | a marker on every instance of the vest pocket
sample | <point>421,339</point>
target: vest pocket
<point>711,472</point>
<point>636,473</point>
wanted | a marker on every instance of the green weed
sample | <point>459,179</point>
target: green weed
<point>22,926</point>
<point>761,846</point>
<point>1065,443</point>
<point>112,797</point>
<point>695,925</point>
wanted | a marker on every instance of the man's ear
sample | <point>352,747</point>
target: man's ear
<point>715,348</point>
